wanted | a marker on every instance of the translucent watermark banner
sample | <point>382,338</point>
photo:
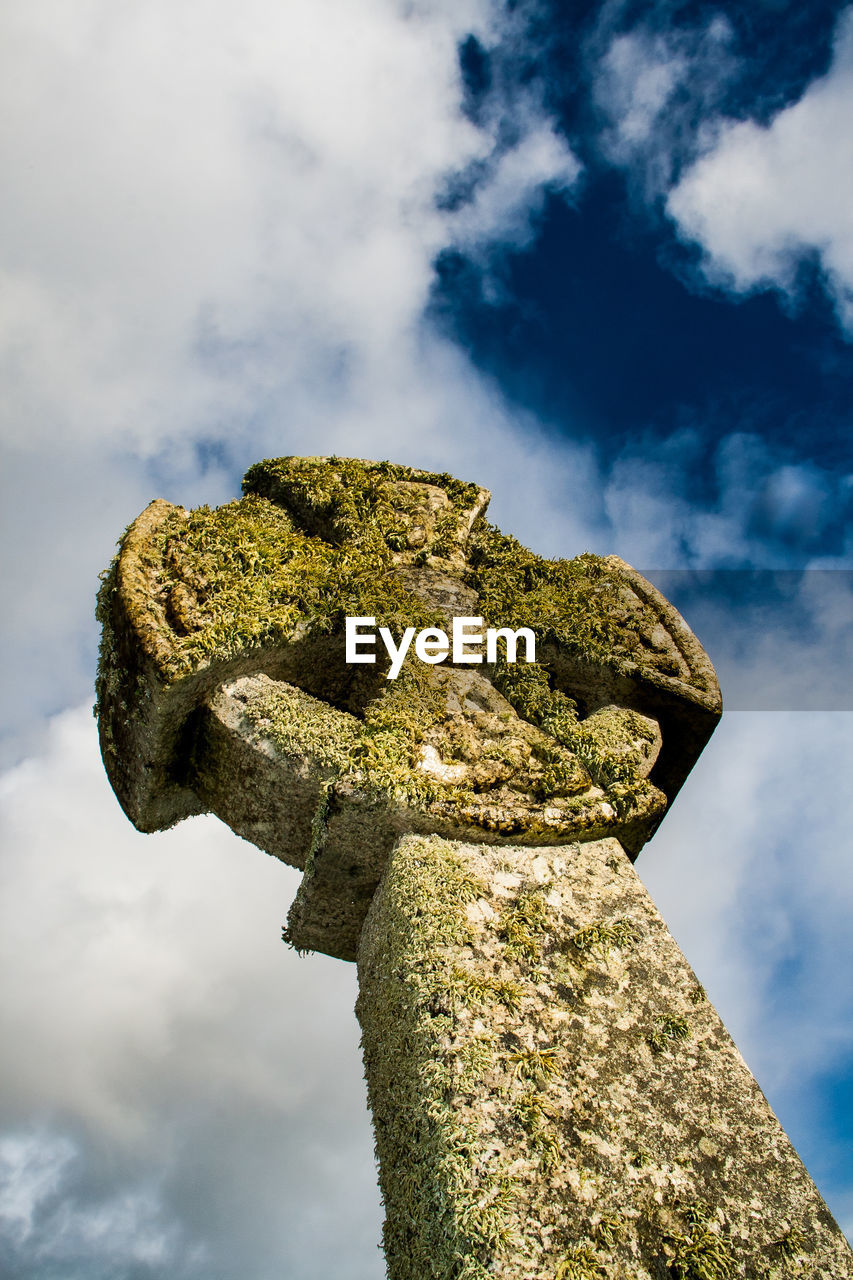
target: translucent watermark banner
<point>780,639</point>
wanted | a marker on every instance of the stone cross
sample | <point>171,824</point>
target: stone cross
<point>553,1096</point>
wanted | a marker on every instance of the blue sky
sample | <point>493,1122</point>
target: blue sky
<point>601,263</point>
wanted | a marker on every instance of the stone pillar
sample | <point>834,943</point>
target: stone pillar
<point>553,1096</point>
<point>552,1092</point>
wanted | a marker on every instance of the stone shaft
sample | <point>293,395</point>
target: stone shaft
<point>553,1094</point>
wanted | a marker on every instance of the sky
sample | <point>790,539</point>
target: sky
<point>601,262</point>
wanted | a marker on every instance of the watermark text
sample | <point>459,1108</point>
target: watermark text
<point>432,645</point>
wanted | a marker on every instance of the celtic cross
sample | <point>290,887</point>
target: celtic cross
<point>554,1098</point>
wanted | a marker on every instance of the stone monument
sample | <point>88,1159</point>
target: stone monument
<point>553,1096</point>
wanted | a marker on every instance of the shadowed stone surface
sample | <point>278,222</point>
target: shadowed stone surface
<point>552,1094</point>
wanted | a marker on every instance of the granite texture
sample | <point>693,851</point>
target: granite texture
<point>553,1095</point>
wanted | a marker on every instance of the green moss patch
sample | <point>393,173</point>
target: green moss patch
<point>701,1251</point>
<point>667,1033</point>
<point>314,541</point>
<point>573,602</point>
<point>582,1262</point>
<point>522,926</point>
<point>366,505</point>
<point>239,577</point>
<point>603,936</point>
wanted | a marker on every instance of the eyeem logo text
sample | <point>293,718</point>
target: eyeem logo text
<point>434,645</point>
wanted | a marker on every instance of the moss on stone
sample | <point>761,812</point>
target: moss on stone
<point>302,726</point>
<point>522,925</point>
<point>581,1262</point>
<point>388,749</point>
<point>603,935</point>
<point>347,501</point>
<point>533,1110</point>
<point>414,1056</point>
<point>562,1144</point>
<point>109,685</point>
<point>667,1033</point>
<point>613,745</point>
<point>535,1064</point>
<point>314,541</point>
<point>573,602</point>
<point>616,745</point>
<point>240,577</point>
<point>791,1244</point>
<point>789,1256</point>
<point>378,752</point>
<point>701,1250</point>
<point>477,988</point>
<point>537,1118</point>
<point>609,1231</point>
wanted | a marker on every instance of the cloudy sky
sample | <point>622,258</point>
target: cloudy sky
<point>602,264</point>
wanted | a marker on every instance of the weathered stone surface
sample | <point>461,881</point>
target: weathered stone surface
<point>198,600</point>
<point>302,779</point>
<point>553,1095</point>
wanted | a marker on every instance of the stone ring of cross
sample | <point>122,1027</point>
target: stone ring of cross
<point>552,1093</point>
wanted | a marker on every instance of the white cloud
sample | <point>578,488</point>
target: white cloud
<point>784,641</point>
<point>650,86</point>
<point>503,209</point>
<point>766,508</point>
<point>212,209</point>
<point>199,1086</point>
<point>764,197</point>
<point>637,77</point>
<point>30,1171</point>
<point>217,243</point>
